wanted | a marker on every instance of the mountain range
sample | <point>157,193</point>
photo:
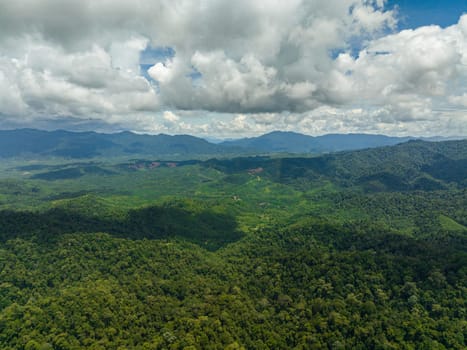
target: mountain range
<point>67,144</point>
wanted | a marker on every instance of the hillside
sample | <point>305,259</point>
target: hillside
<point>411,165</point>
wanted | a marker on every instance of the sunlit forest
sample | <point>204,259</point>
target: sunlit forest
<point>352,250</point>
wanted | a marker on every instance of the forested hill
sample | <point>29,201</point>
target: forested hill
<point>408,166</point>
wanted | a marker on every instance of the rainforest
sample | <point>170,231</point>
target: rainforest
<point>362,249</point>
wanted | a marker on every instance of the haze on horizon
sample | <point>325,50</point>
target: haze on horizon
<point>230,69</point>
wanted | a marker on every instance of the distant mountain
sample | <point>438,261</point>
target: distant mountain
<point>66,144</point>
<point>30,142</point>
<point>276,141</point>
<point>292,142</point>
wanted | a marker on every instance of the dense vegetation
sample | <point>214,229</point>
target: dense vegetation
<point>357,250</point>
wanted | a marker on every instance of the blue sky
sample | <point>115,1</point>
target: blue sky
<point>230,69</point>
<point>417,13</point>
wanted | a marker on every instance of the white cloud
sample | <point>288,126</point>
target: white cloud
<point>269,63</point>
<point>408,72</point>
<point>11,101</point>
<point>46,80</point>
<point>163,73</point>
<point>171,117</point>
<point>125,55</point>
<point>246,84</point>
<point>459,100</point>
<point>300,91</point>
<point>373,19</point>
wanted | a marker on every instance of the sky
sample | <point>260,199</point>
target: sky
<point>227,69</point>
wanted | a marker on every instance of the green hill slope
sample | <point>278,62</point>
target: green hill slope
<point>412,165</point>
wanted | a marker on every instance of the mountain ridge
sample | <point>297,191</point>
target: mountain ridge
<point>282,141</point>
<point>69,144</point>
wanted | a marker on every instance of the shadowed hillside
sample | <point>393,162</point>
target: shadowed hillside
<point>190,221</point>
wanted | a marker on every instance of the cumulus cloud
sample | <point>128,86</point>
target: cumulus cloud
<point>46,80</point>
<point>161,72</point>
<point>459,100</point>
<point>263,55</point>
<point>247,66</point>
<point>407,72</point>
